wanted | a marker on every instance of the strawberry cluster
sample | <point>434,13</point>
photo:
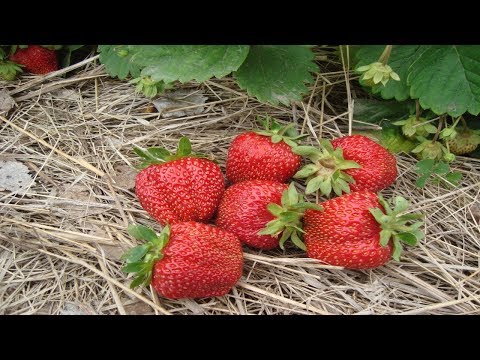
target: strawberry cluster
<point>182,191</point>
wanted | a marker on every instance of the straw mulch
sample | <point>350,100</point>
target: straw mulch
<point>61,238</point>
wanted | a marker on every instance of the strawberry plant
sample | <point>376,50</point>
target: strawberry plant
<point>437,87</point>
<point>272,74</point>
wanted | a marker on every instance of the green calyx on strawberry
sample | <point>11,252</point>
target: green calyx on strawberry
<point>186,260</point>
<point>288,217</point>
<point>394,225</point>
<point>465,141</point>
<point>326,172</point>
<point>412,127</point>
<point>277,132</point>
<point>148,86</point>
<point>9,70</point>
<point>430,149</point>
<point>155,155</point>
<point>141,258</point>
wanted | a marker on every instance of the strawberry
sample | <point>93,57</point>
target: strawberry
<point>359,230</point>
<point>36,59</point>
<point>186,260</point>
<point>178,187</point>
<point>465,141</point>
<point>263,155</point>
<point>349,163</point>
<point>259,211</point>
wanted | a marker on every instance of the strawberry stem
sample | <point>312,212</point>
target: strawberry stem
<point>278,133</point>
<point>385,55</point>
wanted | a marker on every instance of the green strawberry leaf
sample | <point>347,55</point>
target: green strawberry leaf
<point>422,180</point>
<point>189,62</point>
<point>424,166</point>
<point>118,61</point>
<point>401,58</point>
<point>141,232</point>
<point>441,168</point>
<point>277,74</point>
<point>391,138</point>
<point>374,111</point>
<point>446,79</point>
<point>454,177</point>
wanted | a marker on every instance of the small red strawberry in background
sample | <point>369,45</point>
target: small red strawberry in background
<point>178,187</point>
<point>349,163</point>
<point>36,59</point>
<point>186,260</point>
<point>263,213</point>
<point>359,230</point>
<point>263,155</point>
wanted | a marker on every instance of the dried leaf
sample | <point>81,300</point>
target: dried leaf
<point>6,101</point>
<point>167,103</point>
<point>14,177</point>
<point>138,308</point>
<point>125,177</point>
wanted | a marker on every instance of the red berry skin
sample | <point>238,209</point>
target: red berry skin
<point>255,157</point>
<point>187,189</point>
<point>345,233</point>
<point>243,211</point>
<point>36,59</point>
<point>379,166</point>
<point>199,260</point>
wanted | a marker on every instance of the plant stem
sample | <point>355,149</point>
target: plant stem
<point>464,123</point>
<point>418,110</point>
<point>439,128</point>
<point>385,55</point>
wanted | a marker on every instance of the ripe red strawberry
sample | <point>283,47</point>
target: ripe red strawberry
<point>36,59</point>
<point>359,230</point>
<point>263,155</point>
<point>178,187</point>
<point>186,260</point>
<point>259,211</point>
<point>350,163</point>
